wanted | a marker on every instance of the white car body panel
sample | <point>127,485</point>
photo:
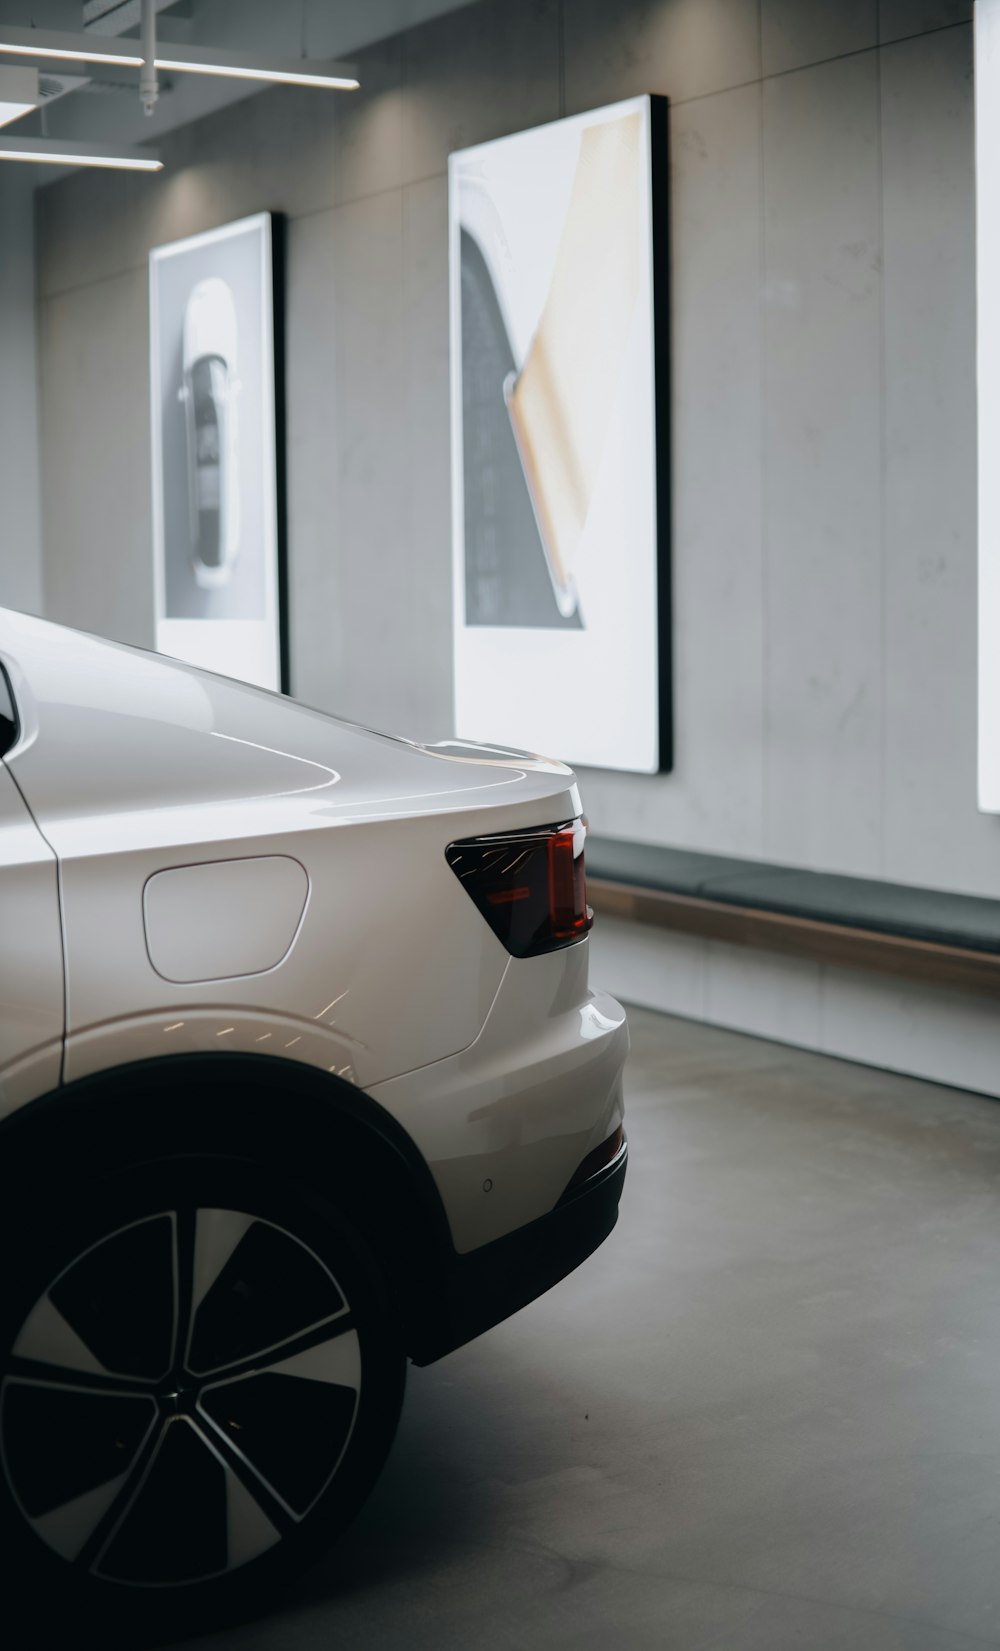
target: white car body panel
<point>223,918</point>
<point>527,1105</point>
<point>142,771</point>
<point>31,972</point>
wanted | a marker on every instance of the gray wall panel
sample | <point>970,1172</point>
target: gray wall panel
<point>353,491</point>
<point>794,35</point>
<point>426,545</point>
<point>822,466</point>
<point>823,520</point>
<point>714,797</point>
<point>369,521</point>
<point>682,48</point>
<point>20,524</point>
<point>95,459</point>
<point>899,18</point>
<point>369,532</point>
<point>317,621</point>
<point>930,473</point>
<point>477,74</point>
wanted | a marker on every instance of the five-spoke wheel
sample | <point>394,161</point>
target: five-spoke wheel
<point>202,1382</point>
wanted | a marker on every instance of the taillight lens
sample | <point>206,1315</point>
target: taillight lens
<point>530,886</point>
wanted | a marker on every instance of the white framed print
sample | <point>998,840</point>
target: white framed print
<point>218,451</point>
<point>560,439</point>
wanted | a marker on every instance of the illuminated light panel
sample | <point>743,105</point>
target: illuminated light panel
<point>63,152</point>
<point>560,548</point>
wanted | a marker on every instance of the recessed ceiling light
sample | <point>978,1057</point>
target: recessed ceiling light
<point>63,152</point>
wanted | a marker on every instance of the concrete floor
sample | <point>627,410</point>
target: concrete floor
<point>764,1417</point>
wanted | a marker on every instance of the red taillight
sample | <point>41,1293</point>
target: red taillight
<point>529,885</point>
<point>567,885</point>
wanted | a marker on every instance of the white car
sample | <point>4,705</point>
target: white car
<point>300,1075</point>
<point>209,394</point>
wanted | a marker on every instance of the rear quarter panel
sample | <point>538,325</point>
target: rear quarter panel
<point>134,765</point>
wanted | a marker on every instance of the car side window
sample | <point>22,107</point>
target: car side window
<point>8,715</point>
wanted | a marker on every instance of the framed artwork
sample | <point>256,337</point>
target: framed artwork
<point>560,438</point>
<point>218,450</point>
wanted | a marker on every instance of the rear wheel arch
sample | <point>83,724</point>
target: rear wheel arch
<point>314,1128</point>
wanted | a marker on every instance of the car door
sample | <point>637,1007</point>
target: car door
<point>31,964</point>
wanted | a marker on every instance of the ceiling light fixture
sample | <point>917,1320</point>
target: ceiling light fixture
<point>63,152</point>
<point>78,48</point>
<point>296,71</point>
<point>199,60</point>
<point>18,92</point>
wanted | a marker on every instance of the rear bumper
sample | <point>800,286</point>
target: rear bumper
<point>489,1284</point>
<point>503,1124</point>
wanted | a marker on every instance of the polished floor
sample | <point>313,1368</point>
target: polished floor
<point>765,1417</point>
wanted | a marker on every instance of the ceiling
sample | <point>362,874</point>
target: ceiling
<point>104,102</point>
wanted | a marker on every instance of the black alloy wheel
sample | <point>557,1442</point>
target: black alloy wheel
<point>200,1383</point>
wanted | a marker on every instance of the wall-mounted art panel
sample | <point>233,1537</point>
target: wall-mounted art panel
<point>559,379</point>
<point>217,451</point>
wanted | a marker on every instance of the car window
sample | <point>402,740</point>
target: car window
<point>8,715</point>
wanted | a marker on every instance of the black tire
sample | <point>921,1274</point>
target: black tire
<point>199,1383</point>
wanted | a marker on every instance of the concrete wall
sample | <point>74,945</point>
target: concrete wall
<point>823,412</point>
<point>824,483</point>
<point>20,514</point>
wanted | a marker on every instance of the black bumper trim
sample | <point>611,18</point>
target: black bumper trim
<point>486,1286</point>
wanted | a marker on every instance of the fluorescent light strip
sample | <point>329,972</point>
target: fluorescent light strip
<point>55,152</point>
<point>58,159</point>
<point>278,77</point>
<point>71,54</point>
<point>198,60</point>
<point>75,48</point>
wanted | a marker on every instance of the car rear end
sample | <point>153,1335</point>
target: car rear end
<point>523,1130</point>
<point>438,967</point>
<point>333,1090</point>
